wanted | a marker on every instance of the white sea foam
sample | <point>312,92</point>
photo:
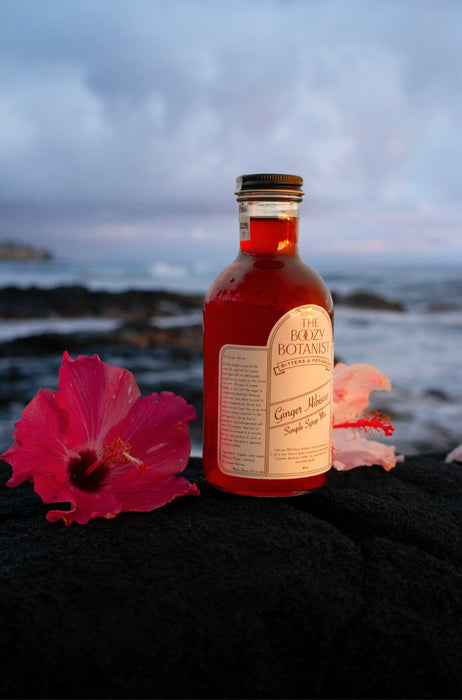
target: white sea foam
<point>164,269</point>
<point>180,321</point>
<point>194,277</point>
<point>13,329</point>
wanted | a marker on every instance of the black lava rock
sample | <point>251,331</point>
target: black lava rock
<point>354,591</point>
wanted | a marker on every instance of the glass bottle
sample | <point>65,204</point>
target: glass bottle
<point>268,354</point>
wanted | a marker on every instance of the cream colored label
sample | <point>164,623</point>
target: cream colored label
<point>275,402</point>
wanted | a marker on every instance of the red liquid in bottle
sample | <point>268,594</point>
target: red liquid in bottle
<point>242,306</point>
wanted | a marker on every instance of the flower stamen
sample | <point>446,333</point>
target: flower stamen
<point>118,452</point>
<point>94,466</point>
<point>372,420</point>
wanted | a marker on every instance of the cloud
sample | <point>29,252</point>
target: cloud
<point>122,114</point>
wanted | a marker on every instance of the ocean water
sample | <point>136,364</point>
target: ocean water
<point>189,278</point>
<point>419,349</point>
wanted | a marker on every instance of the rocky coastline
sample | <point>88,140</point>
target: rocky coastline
<point>76,300</point>
<point>135,311</point>
<point>141,314</point>
<point>155,334</point>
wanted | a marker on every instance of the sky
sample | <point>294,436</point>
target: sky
<point>124,124</point>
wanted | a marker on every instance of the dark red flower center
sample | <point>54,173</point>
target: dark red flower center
<point>87,472</point>
<point>84,478</point>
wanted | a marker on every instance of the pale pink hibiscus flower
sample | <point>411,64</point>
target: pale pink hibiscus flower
<point>96,444</point>
<point>455,455</point>
<point>352,423</point>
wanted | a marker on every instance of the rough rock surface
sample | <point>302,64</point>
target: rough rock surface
<point>137,305</point>
<point>354,591</point>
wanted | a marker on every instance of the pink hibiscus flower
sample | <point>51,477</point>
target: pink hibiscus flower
<point>97,445</point>
<point>455,455</point>
<point>352,423</point>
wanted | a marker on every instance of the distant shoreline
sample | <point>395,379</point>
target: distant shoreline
<point>10,251</point>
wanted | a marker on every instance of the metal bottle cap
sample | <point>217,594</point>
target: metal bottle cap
<point>269,181</point>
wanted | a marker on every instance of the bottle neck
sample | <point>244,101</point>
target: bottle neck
<point>269,227</point>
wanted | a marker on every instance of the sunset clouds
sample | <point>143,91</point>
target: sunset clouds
<point>117,116</point>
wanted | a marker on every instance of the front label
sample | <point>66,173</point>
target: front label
<point>275,402</point>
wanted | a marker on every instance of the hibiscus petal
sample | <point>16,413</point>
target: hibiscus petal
<point>97,395</point>
<point>38,446</point>
<point>455,455</point>
<point>50,489</point>
<point>351,450</point>
<point>85,506</point>
<point>107,505</point>
<point>352,387</point>
<point>158,433</point>
<point>155,494</point>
